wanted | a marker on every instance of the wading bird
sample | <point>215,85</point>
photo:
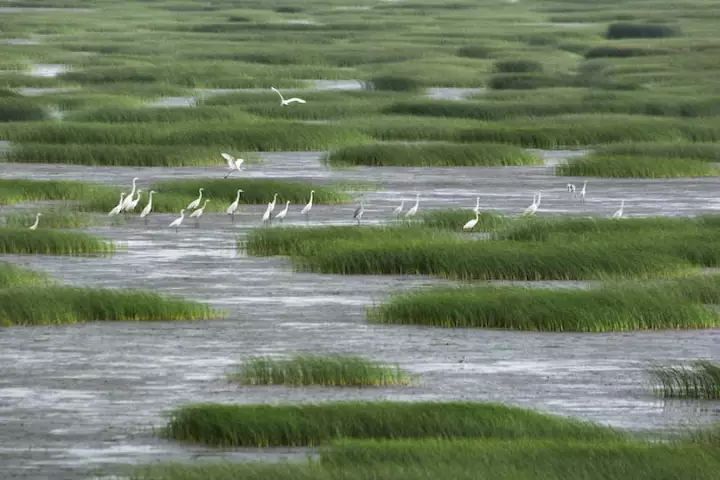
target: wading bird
<point>283,213</point>
<point>414,209</point>
<point>118,207</point>
<point>129,198</point>
<point>133,203</point>
<point>271,205</point>
<point>477,205</point>
<point>359,211</point>
<point>234,206</point>
<point>178,221</point>
<point>398,210</point>
<point>534,206</point>
<point>195,203</point>
<point>619,212</point>
<point>234,164</point>
<point>268,211</point>
<point>37,221</point>
<point>570,188</point>
<point>583,191</point>
<point>148,208</point>
<point>199,212</point>
<point>471,223</point>
<point>306,209</point>
<point>287,102</point>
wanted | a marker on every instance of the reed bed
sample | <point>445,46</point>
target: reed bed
<point>640,30</point>
<point>432,154</point>
<point>605,309</point>
<point>700,380</point>
<point>51,242</point>
<point>620,166</point>
<point>454,219</point>
<point>299,425</point>
<point>68,305</point>
<point>50,219</point>
<point>21,190</point>
<point>111,114</point>
<point>326,370</point>
<point>680,150</point>
<point>14,109</point>
<point>12,276</point>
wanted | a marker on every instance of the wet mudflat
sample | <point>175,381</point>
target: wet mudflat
<point>86,398</point>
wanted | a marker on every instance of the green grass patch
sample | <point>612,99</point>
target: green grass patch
<point>432,154</point>
<point>298,425</point>
<point>518,66</point>
<point>640,30</point>
<point>67,305</point>
<point>21,190</point>
<point>20,110</point>
<point>599,165</point>
<point>12,276</point>
<point>701,379</point>
<point>454,219</point>
<point>696,151</point>
<point>326,370</point>
<point>51,242</point>
<point>50,219</point>
<point>394,83</point>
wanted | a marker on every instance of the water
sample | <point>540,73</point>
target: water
<point>449,93</point>
<point>85,399</point>
<point>38,91</point>
<point>47,70</point>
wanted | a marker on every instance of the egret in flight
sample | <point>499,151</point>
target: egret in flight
<point>414,209</point>
<point>283,213</point>
<point>37,221</point>
<point>471,223</point>
<point>118,207</point>
<point>199,212</point>
<point>306,209</point>
<point>234,164</point>
<point>534,206</point>
<point>148,208</point>
<point>195,203</point>
<point>178,221</point>
<point>287,102</point>
<point>234,206</point>
<point>359,211</point>
<point>619,212</point>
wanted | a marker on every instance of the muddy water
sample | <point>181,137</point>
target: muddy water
<point>84,399</point>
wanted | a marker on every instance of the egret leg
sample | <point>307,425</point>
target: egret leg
<point>145,220</point>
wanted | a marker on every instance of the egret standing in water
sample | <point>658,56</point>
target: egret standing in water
<point>234,164</point>
<point>570,187</point>
<point>283,213</point>
<point>130,207</point>
<point>534,206</point>
<point>118,207</point>
<point>195,203</point>
<point>287,102</point>
<point>583,191</point>
<point>178,221</point>
<point>271,205</point>
<point>37,221</point>
<point>198,213</point>
<point>268,212</point>
<point>619,212</point>
<point>306,209</point>
<point>148,208</point>
<point>234,206</point>
<point>414,209</point>
<point>130,197</point>
<point>398,210</point>
<point>357,215</point>
<point>471,223</point>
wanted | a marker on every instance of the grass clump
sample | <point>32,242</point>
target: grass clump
<point>599,165</point>
<point>696,151</point>
<point>394,83</point>
<point>603,309</point>
<point>68,305</point>
<point>299,425</point>
<point>50,219</point>
<point>12,276</point>
<point>432,154</point>
<point>454,219</point>
<point>20,110</point>
<point>327,370</point>
<point>640,30</point>
<point>518,66</point>
<point>609,51</point>
<point>51,242</point>
<point>701,379</point>
<point>21,190</point>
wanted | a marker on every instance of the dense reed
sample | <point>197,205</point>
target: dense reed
<point>63,305</point>
<point>598,165</point>
<point>432,154</point>
<point>50,219</point>
<point>327,370</point>
<point>296,425</point>
<point>20,110</point>
<point>21,190</point>
<point>701,379</point>
<point>454,219</point>
<point>12,276</point>
<point>51,242</point>
<point>640,30</point>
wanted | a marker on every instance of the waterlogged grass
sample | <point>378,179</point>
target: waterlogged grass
<point>327,370</point>
<point>51,242</point>
<point>640,30</point>
<point>432,154</point>
<point>50,219</point>
<point>598,165</point>
<point>605,309</point>
<point>21,190</point>
<point>701,379</point>
<point>455,219</point>
<point>299,425</point>
<point>12,276</point>
<point>681,150</point>
<point>67,305</point>
<point>20,110</point>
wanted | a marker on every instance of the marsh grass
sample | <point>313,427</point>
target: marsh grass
<point>432,154</point>
<point>394,83</point>
<point>21,190</point>
<point>67,305</point>
<point>700,380</point>
<point>454,219</point>
<point>598,165</point>
<point>50,219</point>
<point>299,425</point>
<point>14,109</point>
<point>640,30</point>
<point>326,370</point>
<point>51,242</point>
<point>12,276</point>
<point>679,150</point>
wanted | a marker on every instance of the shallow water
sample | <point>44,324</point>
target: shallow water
<point>84,399</point>
<point>47,70</point>
<point>37,91</point>
<point>450,93</point>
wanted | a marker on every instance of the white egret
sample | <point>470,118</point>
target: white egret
<point>130,207</point>
<point>287,102</point>
<point>178,221</point>
<point>471,223</point>
<point>306,209</point>
<point>414,209</point>
<point>118,207</point>
<point>148,208</point>
<point>129,198</point>
<point>619,212</point>
<point>583,191</point>
<point>234,205</point>
<point>271,205</point>
<point>534,206</point>
<point>37,221</point>
<point>233,163</point>
<point>570,188</point>
<point>268,211</point>
<point>283,213</point>
<point>398,210</point>
<point>357,215</point>
<point>199,212</point>
<point>477,205</point>
<point>195,203</point>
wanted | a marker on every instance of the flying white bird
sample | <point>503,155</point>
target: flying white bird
<point>471,223</point>
<point>234,164</point>
<point>283,213</point>
<point>37,221</point>
<point>398,210</point>
<point>306,209</point>
<point>534,206</point>
<point>287,102</point>
<point>118,207</point>
<point>414,209</point>
<point>234,206</point>
<point>359,211</point>
<point>268,211</point>
<point>130,207</point>
<point>178,221</point>
<point>619,212</point>
<point>129,198</point>
<point>199,212</point>
<point>148,208</point>
<point>195,203</point>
